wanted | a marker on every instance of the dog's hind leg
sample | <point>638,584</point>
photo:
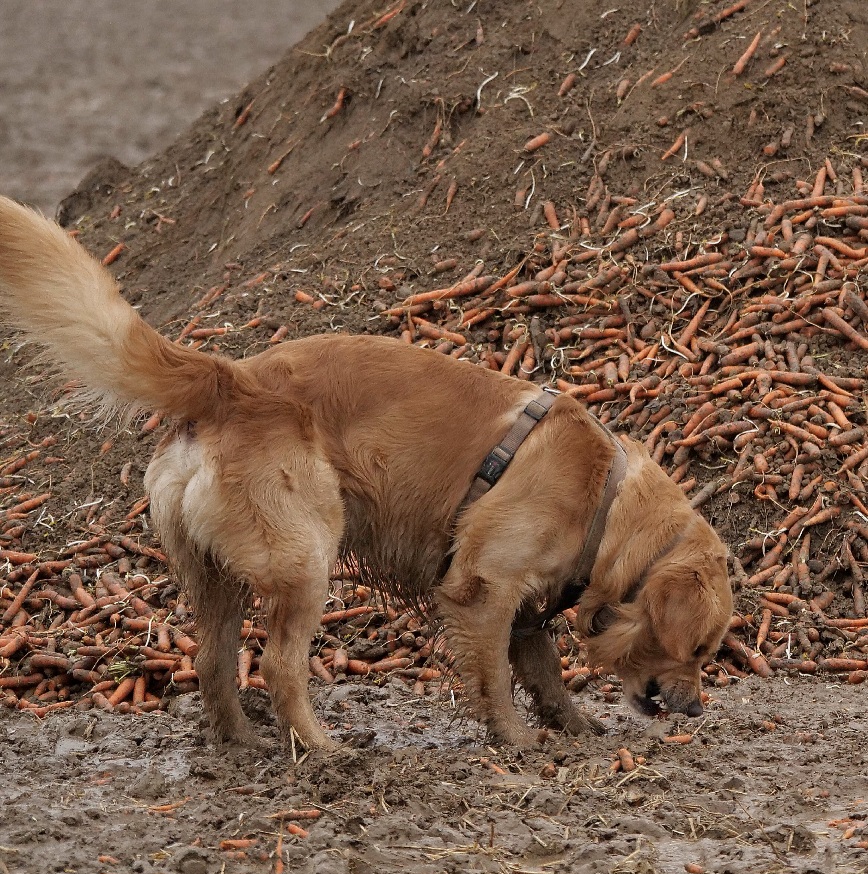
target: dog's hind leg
<point>537,667</point>
<point>218,603</point>
<point>179,484</point>
<point>294,613</point>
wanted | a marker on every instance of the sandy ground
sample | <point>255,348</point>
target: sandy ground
<point>81,79</point>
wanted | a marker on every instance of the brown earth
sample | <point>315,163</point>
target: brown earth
<point>274,213</point>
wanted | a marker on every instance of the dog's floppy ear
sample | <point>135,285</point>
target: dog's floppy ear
<point>617,643</point>
<point>684,607</point>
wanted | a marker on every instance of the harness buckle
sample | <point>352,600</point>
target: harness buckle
<point>494,465</point>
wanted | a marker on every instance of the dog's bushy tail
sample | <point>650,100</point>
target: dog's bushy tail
<point>62,298</point>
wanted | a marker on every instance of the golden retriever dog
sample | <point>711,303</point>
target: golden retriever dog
<point>360,445</point>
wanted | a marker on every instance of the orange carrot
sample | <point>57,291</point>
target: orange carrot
<point>245,663</point>
<point>550,215</point>
<point>567,85</point>
<point>125,687</point>
<point>537,142</point>
<point>633,34</point>
<point>343,615</point>
<point>337,106</point>
<point>625,758</point>
<point>742,62</point>
<point>775,67</point>
<point>243,116</point>
<point>113,255</point>
<point>680,140</point>
<point>237,843</point>
<point>19,599</point>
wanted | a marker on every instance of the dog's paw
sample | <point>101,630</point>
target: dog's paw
<point>577,722</point>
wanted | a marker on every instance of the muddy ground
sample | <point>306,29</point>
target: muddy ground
<point>312,179</point>
<point>99,792</point>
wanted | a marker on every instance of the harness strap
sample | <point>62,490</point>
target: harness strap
<point>617,471</point>
<point>497,461</point>
<point>531,620</point>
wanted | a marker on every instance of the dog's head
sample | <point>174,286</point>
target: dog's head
<point>659,606</point>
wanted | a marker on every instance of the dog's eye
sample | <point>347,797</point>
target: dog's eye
<point>602,619</point>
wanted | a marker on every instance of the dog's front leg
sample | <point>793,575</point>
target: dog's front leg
<point>477,617</point>
<point>537,668</point>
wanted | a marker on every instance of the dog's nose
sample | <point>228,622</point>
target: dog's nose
<point>694,708</point>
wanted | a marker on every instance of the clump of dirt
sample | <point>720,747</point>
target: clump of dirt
<point>414,146</point>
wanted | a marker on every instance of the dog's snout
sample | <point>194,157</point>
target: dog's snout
<point>689,705</point>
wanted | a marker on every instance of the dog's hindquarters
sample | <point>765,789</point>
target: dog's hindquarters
<point>233,522</point>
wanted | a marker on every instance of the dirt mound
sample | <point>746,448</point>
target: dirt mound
<point>659,210</point>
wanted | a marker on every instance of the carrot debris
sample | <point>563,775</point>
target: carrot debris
<point>114,254</point>
<point>537,142</point>
<point>337,106</point>
<point>743,61</point>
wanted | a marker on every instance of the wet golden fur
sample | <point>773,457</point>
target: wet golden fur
<point>332,443</point>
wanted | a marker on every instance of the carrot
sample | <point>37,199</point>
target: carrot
<point>167,808</point>
<point>633,34</point>
<point>336,107</point>
<point>435,332</point>
<point>113,255</point>
<point>245,663</point>
<point>754,660</point>
<point>742,62</point>
<point>451,191</point>
<point>19,599</point>
<point>25,506</point>
<point>567,85</point>
<point>320,671</point>
<point>775,67</point>
<point>50,660</point>
<point>429,146</point>
<point>343,615</point>
<point>626,760</point>
<point>680,141</point>
<point>491,766</point>
<point>237,843</point>
<point>537,142</point>
<point>124,689</point>
<point>297,830</point>
<point>15,557</point>
<point>302,813</point>
<point>460,289</point>
<point>842,664</point>
<point>705,260</point>
<point>551,215</point>
<point>678,739</point>
<point>835,321</point>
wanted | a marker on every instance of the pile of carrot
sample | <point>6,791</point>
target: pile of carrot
<point>76,632</point>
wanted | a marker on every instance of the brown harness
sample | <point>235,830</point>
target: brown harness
<point>493,467</point>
